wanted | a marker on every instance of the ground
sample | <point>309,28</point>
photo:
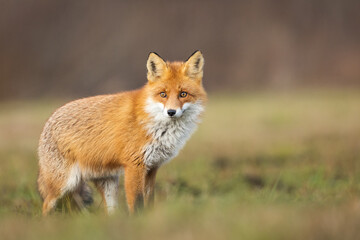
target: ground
<point>267,165</point>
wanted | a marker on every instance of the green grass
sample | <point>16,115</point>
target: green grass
<point>261,166</point>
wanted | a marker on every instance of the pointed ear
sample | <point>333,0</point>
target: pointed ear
<point>155,66</point>
<point>194,65</point>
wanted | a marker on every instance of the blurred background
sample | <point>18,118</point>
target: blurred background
<point>80,48</point>
<point>277,155</point>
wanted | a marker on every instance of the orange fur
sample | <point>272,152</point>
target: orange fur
<point>93,138</point>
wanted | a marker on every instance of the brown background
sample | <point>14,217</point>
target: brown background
<point>78,48</point>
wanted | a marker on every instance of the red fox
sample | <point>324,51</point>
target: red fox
<point>95,138</point>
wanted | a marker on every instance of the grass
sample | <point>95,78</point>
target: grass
<point>260,166</point>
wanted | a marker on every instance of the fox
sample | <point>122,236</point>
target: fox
<point>96,139</point>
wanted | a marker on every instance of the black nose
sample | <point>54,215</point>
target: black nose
<point>171,112</point>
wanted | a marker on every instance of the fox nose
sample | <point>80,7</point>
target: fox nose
<point>171,112</point>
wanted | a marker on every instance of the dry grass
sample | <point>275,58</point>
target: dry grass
<point>261,166</point>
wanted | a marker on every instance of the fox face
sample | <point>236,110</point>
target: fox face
<point>175,88</point>
<point>175,99</point>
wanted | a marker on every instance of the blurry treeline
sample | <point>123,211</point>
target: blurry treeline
<point>79,48</point>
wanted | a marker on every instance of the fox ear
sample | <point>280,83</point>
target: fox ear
<point>155,66</point>
<point>194,65</point>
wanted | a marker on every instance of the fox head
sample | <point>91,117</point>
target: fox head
<point>175,88</point>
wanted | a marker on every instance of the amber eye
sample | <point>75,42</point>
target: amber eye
<point>183,94</point>
<point>163,94</point>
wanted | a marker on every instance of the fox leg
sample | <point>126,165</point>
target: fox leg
<point>82,196</point>
<point>139,187</point>
<point>50,191</point>
<point>149,187</point>
<point>134,187</point>
<point>49,204</point>
<point>108,187</point>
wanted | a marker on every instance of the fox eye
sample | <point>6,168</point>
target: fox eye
<point>163,94</point>
<point>183,94</point>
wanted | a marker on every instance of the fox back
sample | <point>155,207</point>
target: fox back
<point>96,137</point>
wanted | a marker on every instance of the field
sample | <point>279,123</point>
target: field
<point>261,166</point>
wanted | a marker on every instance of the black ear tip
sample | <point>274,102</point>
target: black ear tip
<point>193,54</point>
<point>155,54</point>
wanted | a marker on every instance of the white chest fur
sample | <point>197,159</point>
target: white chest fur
<point>169,135</point>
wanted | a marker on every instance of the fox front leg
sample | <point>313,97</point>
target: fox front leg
<point>134,187</point>
<point>149,187</point>
<point>139,187</point>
